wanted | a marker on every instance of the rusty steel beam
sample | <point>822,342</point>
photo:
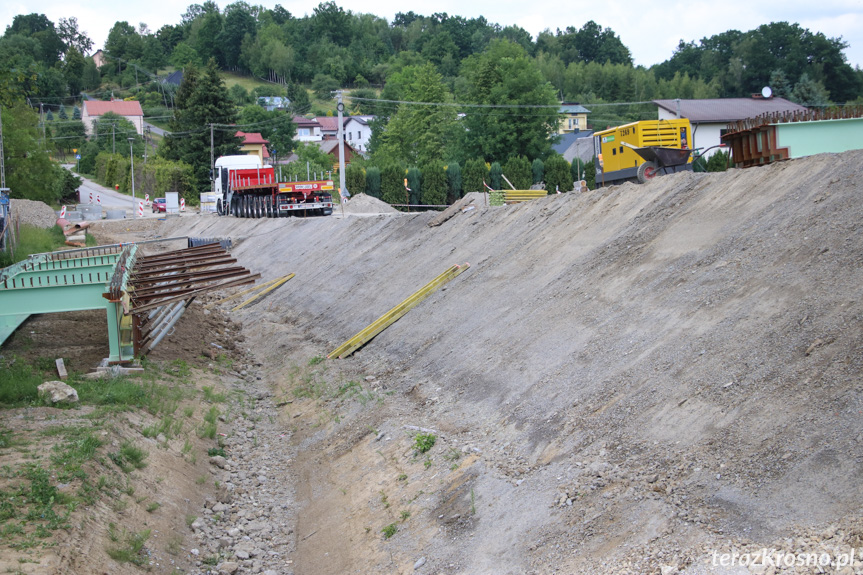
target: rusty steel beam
<point>195,292</point>
<point>168,287</point>
<point>140,283</point>
<point>178,261</point>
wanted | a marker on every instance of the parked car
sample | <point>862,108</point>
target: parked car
<point>159,205</point>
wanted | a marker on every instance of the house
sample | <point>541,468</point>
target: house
<point>95,109</point>
<point>254,144</point>
<point>272,103</point>
<point>308,130</point>
<point>576,145</point>
<point>329,126</point>
<point>358,132</point>
<point>330,147</point>
<point>99,58</point>
<point>573,117</point>
<point>710,117</point>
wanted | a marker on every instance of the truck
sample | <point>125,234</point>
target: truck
<point>642,150</point>
<point>247,189</point>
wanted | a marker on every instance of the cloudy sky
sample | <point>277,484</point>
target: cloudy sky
<point>650,30</point>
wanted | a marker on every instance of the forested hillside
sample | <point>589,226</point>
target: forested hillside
<point>509,81</point>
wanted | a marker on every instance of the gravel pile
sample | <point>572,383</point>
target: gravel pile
<point>32,213</point>
<point>365,204</point>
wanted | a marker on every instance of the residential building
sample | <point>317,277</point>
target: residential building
<point>99,58</point>
<point>329,126</point>
<point>710,117</point>
<point>576,146</point>
<point>308,130</point>
<point>95,109</point>
<point>272,103</point>
<point>358,132</point>
<point>254,144</point>
<point>573,117</point>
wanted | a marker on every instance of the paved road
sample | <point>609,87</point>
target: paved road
<point>155,129</point>
<point>110,199</point>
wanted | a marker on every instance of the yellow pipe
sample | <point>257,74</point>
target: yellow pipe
<point>266,291</point>
<point>395,313</point>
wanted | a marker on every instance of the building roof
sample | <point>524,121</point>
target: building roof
<point>328,123</point>
<point>175,78</point>
<point>724,110</point>
<point>306,122</point>
<point>121,108</point>
<point>364,120</point>
<point>252,138</point>
<point>567,139</point>
<point>569,108</point>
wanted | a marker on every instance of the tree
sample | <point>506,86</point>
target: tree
<point>73,70</point>
<point>537,168</point>
<point>30,174</point>
<point>67,29</point>
<point>373,182</point>
<point>68,135</point>
<point>276,127</point>
<point>39,28</point>
<point>504,76</point>
<point>419,134</point>
<point>202,100</point>
<point>808,92</point>
<point>517,170</point>
<point>90,78</point>
<point>355,179</point>
<point>474,174</point>
<point>392,184</point>
<point>557,174</point>
<point>238,23</point>
<point>434,184</point>
<point>494,176</point>
<point>453,178</point>
<point>324,85</point>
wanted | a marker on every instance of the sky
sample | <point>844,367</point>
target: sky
<point>651,31</point>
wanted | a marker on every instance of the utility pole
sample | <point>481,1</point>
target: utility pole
<point>42,118</point>
<point>2,162</point>
<point>113,149</point>
<point>132,160</point>
<point>343,192</point>
<point>212,162</point>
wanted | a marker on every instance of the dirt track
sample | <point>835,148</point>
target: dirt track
<point>631,378</point>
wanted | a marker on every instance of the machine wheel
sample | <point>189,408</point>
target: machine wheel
<point>268,202</point>
<point>219,207</point>
<point>646,171</point>
<point>244,206</point>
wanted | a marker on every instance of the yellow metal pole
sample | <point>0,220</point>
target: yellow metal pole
<point>395,313</point>
<point>266,291</point>
<point>242,293</point>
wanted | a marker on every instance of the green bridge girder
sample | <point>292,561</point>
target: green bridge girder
<point>72,280</point>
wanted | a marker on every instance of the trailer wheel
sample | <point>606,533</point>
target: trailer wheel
<point>244,207</point>
<point>646,171</point>
<point>269,203</point>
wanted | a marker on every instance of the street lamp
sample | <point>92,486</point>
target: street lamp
<point>132,158</point>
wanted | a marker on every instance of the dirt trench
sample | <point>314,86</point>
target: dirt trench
<point>624,381</point>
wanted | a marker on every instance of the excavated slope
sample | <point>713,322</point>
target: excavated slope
<point>681,360</point>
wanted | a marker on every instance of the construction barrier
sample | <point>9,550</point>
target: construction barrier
<point>63,212</point>
<point>140,209</point>
<point>91,198</point>
<point>182,204</point>
<point>392,316</point>
<point>147,200</point>
<point>99,200</point>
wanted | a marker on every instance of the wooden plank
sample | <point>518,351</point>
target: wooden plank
<point>61,369</point>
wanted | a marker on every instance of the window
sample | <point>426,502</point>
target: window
<point>303,132</point>
<point>350,136</point>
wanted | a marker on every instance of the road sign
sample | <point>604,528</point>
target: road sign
<point>77,156</point>
<point>74,150</point>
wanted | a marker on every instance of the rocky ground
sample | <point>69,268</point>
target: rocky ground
<point>640,379</point>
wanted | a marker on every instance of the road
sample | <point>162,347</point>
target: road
<point>110,199</point>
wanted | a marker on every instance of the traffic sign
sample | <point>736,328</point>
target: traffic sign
<point>77,156</point>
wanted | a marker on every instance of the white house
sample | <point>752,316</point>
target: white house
<point>358,132</point>
<point>95,109</point>
<point>710,117</point>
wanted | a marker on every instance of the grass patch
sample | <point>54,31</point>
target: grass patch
<point>130,548</point>
<point>18,383</point>
<point>389,530</point>
<point>33,240</point>
<point>211,396</point>
<point>129,457</point>
<point>423,442</point>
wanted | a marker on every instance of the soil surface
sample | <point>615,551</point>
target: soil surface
<point>631,380</point>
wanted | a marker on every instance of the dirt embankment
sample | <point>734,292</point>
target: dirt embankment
<point>624,381</point>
